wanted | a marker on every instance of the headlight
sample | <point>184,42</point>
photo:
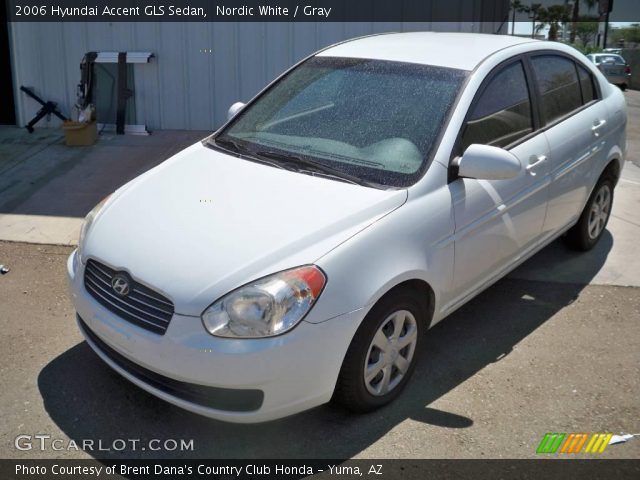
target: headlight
<point>88,220</point>
<point>267,307</point>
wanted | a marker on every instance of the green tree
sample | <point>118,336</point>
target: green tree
<point>516,7</point>
<point>575,16</point>
<point>585,29</point>
<point>630,34</point>
<point>553,16</point>
<point>534,12</point>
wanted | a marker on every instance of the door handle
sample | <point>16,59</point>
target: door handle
<point>597,125</point>
<point>534,161</point>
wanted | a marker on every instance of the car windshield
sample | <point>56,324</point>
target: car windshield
<point>372,120</point>
<point>616,59</point>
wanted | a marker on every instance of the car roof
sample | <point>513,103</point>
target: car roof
<point>463,51</point>
<point>608,54</point>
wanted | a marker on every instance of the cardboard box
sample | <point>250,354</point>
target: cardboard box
<point>80,134</point>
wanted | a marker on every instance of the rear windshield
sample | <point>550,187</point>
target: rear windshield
<point>615,59</point>
<point>375,120</point>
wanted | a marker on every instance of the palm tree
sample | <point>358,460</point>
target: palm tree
<point>516,6</point>
<point>586,30</point>
<point>575,16</point>
<point>534,14</point>
<point>553,16</point>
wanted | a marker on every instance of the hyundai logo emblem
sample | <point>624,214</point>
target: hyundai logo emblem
<point>120,284</point>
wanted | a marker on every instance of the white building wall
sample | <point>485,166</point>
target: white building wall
<point>184,86</point>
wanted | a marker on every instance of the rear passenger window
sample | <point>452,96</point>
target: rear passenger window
<point>558,82</point>
<point>502,114</point>
<point>586,85</point>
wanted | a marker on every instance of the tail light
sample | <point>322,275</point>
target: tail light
<point>627,70</point>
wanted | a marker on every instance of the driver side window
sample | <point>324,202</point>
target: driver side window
<point>502,113</point>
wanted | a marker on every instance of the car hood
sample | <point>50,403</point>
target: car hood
<point>203,223</point>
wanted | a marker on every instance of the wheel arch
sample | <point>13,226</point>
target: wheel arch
<point>423,291</point>
<point>613,167</point>
<point>349,385</point>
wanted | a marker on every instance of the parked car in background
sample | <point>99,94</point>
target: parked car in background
<point>298,254</point>
<point>614,68</point>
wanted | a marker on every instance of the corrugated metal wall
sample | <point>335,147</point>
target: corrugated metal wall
<point>185,86</point>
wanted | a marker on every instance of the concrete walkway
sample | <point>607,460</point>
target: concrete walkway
<point>46,188</point>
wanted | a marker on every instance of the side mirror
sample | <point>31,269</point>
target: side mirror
<point>234,109</point>
<point>488,163</point>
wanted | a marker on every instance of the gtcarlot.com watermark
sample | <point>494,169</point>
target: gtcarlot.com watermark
<point>44,442</point>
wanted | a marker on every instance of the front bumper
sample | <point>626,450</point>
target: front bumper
<point>293,372</point>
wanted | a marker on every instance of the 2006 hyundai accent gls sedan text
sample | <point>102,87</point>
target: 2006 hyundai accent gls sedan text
<point>297,254</point>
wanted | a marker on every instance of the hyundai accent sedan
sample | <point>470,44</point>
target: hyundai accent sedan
<point>299,253</point>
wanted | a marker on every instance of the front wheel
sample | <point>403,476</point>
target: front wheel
<point>594,218</point>
<point>382,355</point>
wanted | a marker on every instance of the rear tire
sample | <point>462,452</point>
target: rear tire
<point>383,353</point>
<point>585,234</point>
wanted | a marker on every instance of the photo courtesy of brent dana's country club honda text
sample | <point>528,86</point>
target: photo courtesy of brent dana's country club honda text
<point>299,253</point>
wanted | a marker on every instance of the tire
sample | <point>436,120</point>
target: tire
<point>353,390</point>
<point>585,234</point>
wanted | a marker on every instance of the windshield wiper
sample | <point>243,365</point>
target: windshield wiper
<point>246,153</point>
<point>316,167</point>
<point>229,144</point>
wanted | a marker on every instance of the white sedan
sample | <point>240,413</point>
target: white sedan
<point>298,254</point>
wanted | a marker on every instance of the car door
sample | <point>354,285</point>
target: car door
<point>498,221</point>
<point>576,129</point>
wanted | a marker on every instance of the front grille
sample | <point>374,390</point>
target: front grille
<point>141,306</point>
